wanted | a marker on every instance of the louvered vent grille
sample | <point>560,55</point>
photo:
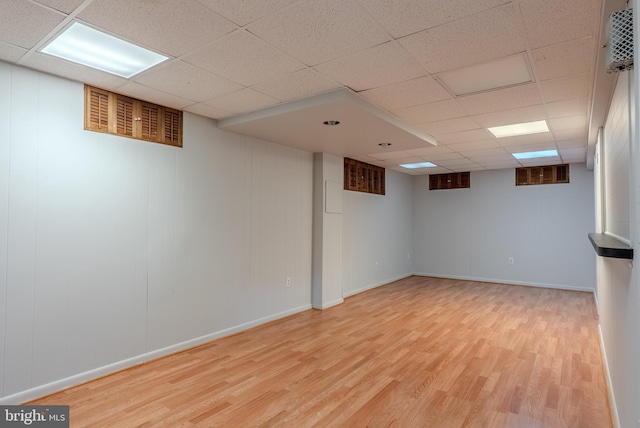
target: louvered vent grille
<point>116,114</point>
<point>620,41</point>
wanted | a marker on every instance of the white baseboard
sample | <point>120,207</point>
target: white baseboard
<point>505,281</point>
<point>607,374</point>
<point>330,304</point>
<point>59,385</point>
<point>375,285</point>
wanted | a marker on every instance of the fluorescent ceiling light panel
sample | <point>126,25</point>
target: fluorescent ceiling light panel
<point>418,165</point>
<point>87,46</point>
<point>511,71</point>
<point>534,155</point>
<point>519,129</point>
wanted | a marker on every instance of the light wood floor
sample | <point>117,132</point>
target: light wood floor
<point>420,352</point>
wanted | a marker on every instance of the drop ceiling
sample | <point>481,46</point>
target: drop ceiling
<point>277,69</point>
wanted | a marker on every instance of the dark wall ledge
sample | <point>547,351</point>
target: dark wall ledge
<point>608,246</point>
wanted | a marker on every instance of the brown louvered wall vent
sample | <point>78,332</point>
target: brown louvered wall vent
<point>454,180</point>
<point>363,177</point>
<point>128,117</point>
<point>551,174</point>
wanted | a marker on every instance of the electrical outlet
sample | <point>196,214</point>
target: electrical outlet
<point>510,260</point>
<point>288,281</point>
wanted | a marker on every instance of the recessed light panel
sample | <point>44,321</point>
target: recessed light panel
<point>87,46</point>
<point>535,155</point>
<point>519,129</point>
<point>511,71</point>
<point>418,165</point>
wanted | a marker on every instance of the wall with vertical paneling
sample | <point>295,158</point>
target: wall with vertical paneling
<point>113,251</point>
<point>615,156</point>
<point>618,282</point>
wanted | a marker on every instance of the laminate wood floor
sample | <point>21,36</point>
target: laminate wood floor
<point>419,352</point>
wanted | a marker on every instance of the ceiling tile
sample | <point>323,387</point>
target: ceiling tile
<point>449,126</point>
<point>180,78</point>
<point>407,94</point>
<point>315,32</point>
<point>300,84</point>
<point>464,136</point>
<point>242,101</point>
<point>565,59</point>
<point>151,95</point>
<point>28,24</point>
<point>474,145</point>
<point>494,151</point>
<point>418,15</point>
<point>484,160</point>
<point>570,144</point>
<point>235,57</point>
<point>569,122</point>
<point>389,155</point>
<point>442,157</point>
<point>66,6</point>
<point>572,107</point>
<point>571,134</point>
<point>433,112</point>
<point>502,99</point>
<point>509,117</point>
<point>372,68</point>
<point>427,151</point>
<point>520,140</point>
<point>550,145</point>
<point>208,111</point>
<point>73,71</point>
<point>185,26</point>
<point>566,88</point>
<point>574,152</point>
<point>11,53</point>
<point>500,164</point>
<point>548,22</point>
<point>465,168</point>
<point>242,12</point>
<point>486,36</point>
<point>456,162</point>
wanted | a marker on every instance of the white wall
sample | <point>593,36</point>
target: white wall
<point>326,288</point>
<point>377,229</point>
<point>114,250</point>
<point>618,280</point>
<point>471,233</point>
<point>615,155</point>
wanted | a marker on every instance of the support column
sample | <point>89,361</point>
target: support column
<point>326,284</point>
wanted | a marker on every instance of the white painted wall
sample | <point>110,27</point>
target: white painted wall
<point>377,229</point>
<point>114,250</point>
<point>618,281</point>
<point>615,155</point>
<point>471,233</point>
<point>327,263</point>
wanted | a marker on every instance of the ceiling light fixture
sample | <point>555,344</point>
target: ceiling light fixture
<point>519,129</point>
<point>87,46</point>
<point>535,155</point>
<point>331,122</point>
<point>418,165</point>
<point>384,144</point>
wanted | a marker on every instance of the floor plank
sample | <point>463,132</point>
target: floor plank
<point>416,352</point>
